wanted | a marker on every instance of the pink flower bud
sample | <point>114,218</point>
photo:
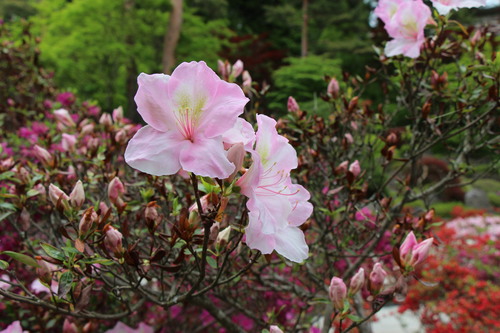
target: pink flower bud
<point>357,282</point>
<point>236,155</point>
<point>237,69</point>
<point>406,248</point>
<point>342,168</point>
<point>354,168</point>
<point>113,241</point>
<point>55,193</point>
<point>115,191</point>
<point>103,207</point>
<point>222,67</point>
<point>87,220</point>
<point>275,329</point>
<point>121,136</point>
<point>247,80</point>
<point>151,213</point>
<point>6,164</point>
<point>68,142</point>
<point>43,155</point>
<point>63,116</point>
<point>118,114</point>
<point>214,231</point>
<point>337,293</point>
<point>421,251</point>
<point>106,119</point>
<point>41,190</point>
<point>77,196</point>
<point>377,278</point>
<point>87,129</point>
<point>348,138</point>
<point>292,105</point>
<point>223,236</point>
<point>69,327</point>
<point>333,88</point>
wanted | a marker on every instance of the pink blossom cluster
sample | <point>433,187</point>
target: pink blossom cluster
<point>193,126</point>
<point>405,20</point>
<point>476,225</point>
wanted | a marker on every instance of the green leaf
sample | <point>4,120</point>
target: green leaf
<point>212,262</point>
<point>101,261</point>
<point>354,318</point>
<point>27,260</point>
<point>4,215</point>
<point>65,282</point>
<point>53,252</point>
<point>4,264</point>
<point>32,193</point>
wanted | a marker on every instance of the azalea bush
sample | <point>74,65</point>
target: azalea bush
<point>213,216</point>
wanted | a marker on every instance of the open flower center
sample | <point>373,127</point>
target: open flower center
<point>188,117</point>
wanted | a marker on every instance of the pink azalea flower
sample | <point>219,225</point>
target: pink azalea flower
<point>14,327</point>
<point>444,6</point>
<point>187,114</point>
<point>406,26</point>
<point>277,207</point>
<point>411,252</point>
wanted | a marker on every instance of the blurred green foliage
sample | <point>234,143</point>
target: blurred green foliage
<point>304,79</point>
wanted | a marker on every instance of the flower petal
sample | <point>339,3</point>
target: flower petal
<point>155,152</point>
<point>291,244</point>
<point>152,101</point>
<point>206,157</point>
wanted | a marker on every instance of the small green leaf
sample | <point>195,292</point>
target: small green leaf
<point>354,318</point>
<point>212,262</point>
<point>4,215</point>
<point>65,282</point>
<point>32,193</point>
<point>4,264</point>
<point>27,260</point>
<point>53,252</point>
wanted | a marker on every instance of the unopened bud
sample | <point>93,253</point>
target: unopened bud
<point>354,168</point>
<point>236,155</point>
<point>357,282</point>
<point>55,193</point>
<point>333,88</point>
<point>106,119</point>
<point>292,105</point>
<point>113,241</point>
<point>43,155</point>
<point>223,237</point>
<point>77,196</point>
<point>337,293</point>
<point>121,136</point>
<point>377,278</point>
<point>63,116</point>
<point>247,79</point>
<point>421,251</point>
<point>115,190</point>
<point>87,221</point>
<point>237,69</point>
<point>68,142</point>
<point>275,329</point>
<point>118,114</point>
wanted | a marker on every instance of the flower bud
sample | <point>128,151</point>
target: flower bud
<point>87,220</point>
<point>63,116</point>
<point>421,251</point>
<point>77,196</point>
<point>43,155</point>
<point>121,136</point>
<point>237,69</point>
<point>333,88</point>
<point>118,114</point>
<point>377,278</point>
<point>69,327</point>
<point>337,293</point>
<point>223,68</point>
<point>236,155</point>
<point>55,193</point>
<point>113,241</point>
<point>354,168</point>
<point>214,231</point>
<point>275,329</point>
<point>115,191</point>
<point>406,248</point>
<point>357,282</point>
<point>87,129</point>
<point>223,236</point>
<point>292,105</point>
<point>342,168</point>
<point>247,80</point>
<point>106,119</point>
<point>68,142</point>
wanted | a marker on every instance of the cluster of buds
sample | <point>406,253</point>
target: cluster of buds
<point>60,199</point>
<point>338,292</point>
